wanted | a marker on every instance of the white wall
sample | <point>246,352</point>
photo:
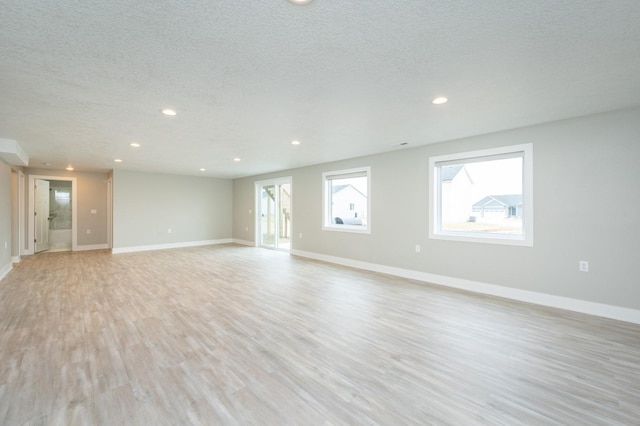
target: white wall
<point>147,205</point>
<point>582,167</point>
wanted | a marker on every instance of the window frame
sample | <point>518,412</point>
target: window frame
<point>435,231</point>
<point>327,216</point>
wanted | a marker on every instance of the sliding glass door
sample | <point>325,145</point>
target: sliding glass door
<point>273,208</point>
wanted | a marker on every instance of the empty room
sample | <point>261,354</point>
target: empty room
<point>319,212</point>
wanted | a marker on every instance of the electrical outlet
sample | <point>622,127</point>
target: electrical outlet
<point>246,228</point>
<point>300,235</point>
<point>583,266</point>
<point>169,231</point>
<point>88,231</point>
<point>418,248</point>
<point>6,245</point>
<point>94,211</point>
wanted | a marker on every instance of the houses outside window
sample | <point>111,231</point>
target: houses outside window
<point>346,201</point>
<point>483,196</point>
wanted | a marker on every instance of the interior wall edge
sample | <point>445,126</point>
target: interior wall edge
<point>559,302</point>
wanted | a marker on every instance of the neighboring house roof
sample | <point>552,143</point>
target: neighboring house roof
<point>338,188</point>
<point>449,172</point>
<point>499,201</point>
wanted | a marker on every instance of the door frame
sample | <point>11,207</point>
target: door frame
<point>19,202</point>
<point>42,222</point>
<point>110,212</point>
<point>258,223</point>
<point>29,247</point>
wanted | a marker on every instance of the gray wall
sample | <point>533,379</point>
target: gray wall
<point>146,205</point>
<point>5,215</point>
<point>586,202</point>
<point>92,194</point>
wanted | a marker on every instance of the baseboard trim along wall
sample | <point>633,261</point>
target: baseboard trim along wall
<point>5,270</point>
<point>170,246</point>
<point>566,303</point>
<point>244,242</point>
<point>92,247</point>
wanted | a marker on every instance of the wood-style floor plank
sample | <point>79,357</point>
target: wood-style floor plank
<point>237,335</point>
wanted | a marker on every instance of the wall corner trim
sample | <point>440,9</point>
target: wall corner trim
<point>5,270</point>
<point>576,305</point>
<point>170,246</point>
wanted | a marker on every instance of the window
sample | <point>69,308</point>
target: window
<point>346,202</point>
<point>62,196</point>
<point>483,196</point>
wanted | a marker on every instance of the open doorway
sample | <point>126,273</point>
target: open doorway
<point>52,214</point>
<point>274,213</point>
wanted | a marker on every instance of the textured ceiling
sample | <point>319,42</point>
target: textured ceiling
<point>81,79</point>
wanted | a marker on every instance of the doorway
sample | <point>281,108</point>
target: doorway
<point>53,214</point>
<point>274,213</point>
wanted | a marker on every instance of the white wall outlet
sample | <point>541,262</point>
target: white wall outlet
<point>418,248</point>
<point>300,235</point>
<point>246,228</point>
<point>94,211</point>
<point>583,266</point>
<point>169,231</point>
<point>6,245</point>
<point>88,231</point>
<point>250,211</point>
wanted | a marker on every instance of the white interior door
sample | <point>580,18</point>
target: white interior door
<point>41,215</point>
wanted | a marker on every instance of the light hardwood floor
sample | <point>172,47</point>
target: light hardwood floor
<point>239,335</point>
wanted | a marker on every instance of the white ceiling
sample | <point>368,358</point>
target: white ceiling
<point>81,79</point>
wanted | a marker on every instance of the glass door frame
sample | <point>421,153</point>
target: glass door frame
<point>276,183</point>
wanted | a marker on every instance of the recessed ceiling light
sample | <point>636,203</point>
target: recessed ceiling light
<point>236,159</point>
<point>440,100</point>
<point>117,160</point>
<point>169,112</point>
<point>300,1</point>
<point>46,164</point>
<point>202,169</point>
<point>135,144</point>
<point>296,142</point>
<point>70,168</point>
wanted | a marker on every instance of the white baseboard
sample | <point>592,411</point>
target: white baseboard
<point>58,249</point>
<point>91,247</point>
<point>15,259</point>
<point>244,242</point>
<point>592,308</point>
<point>170,246</point>
<point>5,270</point>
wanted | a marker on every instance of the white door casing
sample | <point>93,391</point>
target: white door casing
<point>41,215</point>
<point>260,233</point>
<point>29,245</point>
